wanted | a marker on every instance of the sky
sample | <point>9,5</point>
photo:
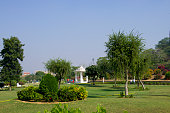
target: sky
<point>76,30</point>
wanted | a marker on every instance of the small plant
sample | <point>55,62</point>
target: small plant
<point>121,94</point>
<point>131,96</point>
<point>64,109</point>
<point>100,109</point>
<point>167,75</point>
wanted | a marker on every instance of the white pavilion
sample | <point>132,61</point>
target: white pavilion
<point>80,70</point>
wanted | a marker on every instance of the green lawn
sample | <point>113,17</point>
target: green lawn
<point>154,100</point>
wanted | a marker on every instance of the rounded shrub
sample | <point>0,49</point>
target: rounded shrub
<point>29,93</point>
<point>49,87</point>
<point>72,93</point>
<point>167,75</point>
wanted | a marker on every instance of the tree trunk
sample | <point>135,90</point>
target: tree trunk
<point>93,82</point>
<point>115,81</point>
<point>143,87</point>
<point>138,82</point>
<point>10,86</point>
<point>59,82</point>
<point>126,85</point>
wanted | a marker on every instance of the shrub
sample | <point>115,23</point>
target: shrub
<point>29,93</point>
<point>6,83</point>
<point>72,93</point>
<point>13,83</point>
<point>164,71</point>
<point>167,75</point>
<point>64,109</point>
<point>161,67</point>
<point>121,94</point>
<point>157,71</point>
<point>49,87</point>
<point>82,93</point>
<point>22,82</point>
<point>148,74</point>
<point>1,84</point>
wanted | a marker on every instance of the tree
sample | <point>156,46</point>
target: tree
<point>72,72</point>
<point>142,66</point>
<point>11,54</point>
<point>59,67</point>
<point>40,73</point>
<point>164,45</point>
<point>102,65</point>
<point>92,72</point>
<point>124,49</point>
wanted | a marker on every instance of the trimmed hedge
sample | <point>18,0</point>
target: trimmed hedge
<point>145,82</point>
<point>49,87</point>
<point>29,93</point>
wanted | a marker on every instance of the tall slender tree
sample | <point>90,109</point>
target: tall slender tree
<point>124,49</point>
<point>11,54</point>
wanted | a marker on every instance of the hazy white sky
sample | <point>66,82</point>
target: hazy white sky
<point>77,30</point>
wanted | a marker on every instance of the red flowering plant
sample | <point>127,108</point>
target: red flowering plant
<point>161,67</point>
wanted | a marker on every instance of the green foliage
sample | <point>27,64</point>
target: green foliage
<point>102,65</point>
<point>59,67</point>
<point>13,82</point>
<point>40,73</point>
<point>167,75</point>
<point>11,54</point>
<point>121,94</point>
<point>100,109</point>
<point>59,108</point>
<point>156,83</point>
<point>2,84</point>
<point>34,77</point>
<point>72,93</point>
<point>123,51</point>
<point>49,87</point>
<point>29,93</point>
<point>22,82</point>
<point>92,72</point>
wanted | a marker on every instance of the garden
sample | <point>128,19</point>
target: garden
<point>154,99</point>
<point>137,83</point>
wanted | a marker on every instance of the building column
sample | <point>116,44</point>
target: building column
<point>75,77</point>
<point>81,77</point>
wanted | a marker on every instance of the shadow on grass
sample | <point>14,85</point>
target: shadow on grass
<point>161,95</point>
<point>89,85</point>
<point>112,89</point>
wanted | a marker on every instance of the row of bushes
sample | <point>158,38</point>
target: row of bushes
<point>145,82</point>
<point>156,83</point>
<point>13,83</point>
<point>48,91</point>
<point>65,94</point>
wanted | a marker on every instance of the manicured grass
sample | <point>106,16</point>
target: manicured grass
<point>154,100</point>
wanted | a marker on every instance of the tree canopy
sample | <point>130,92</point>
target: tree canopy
<point>11,54</point>
<point>122,50</point>
<point>92,72</point>
<point>59,67</point>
